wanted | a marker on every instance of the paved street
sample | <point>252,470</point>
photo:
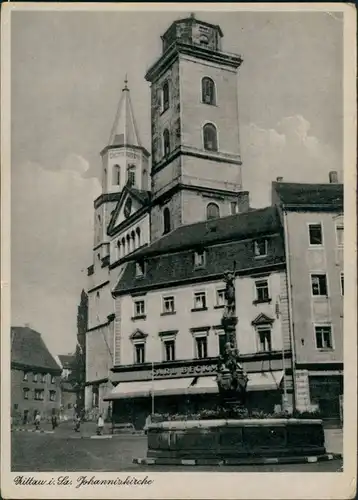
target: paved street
<point>66,450</point>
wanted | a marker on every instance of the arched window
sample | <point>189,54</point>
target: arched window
<point>166,142</point>
<point>131,174</point>
<point>128,243</point>
<point>165,91</point>
<point>138,236</point>
<point>133,245</point>
<point>124,246</point>
<point>166,220</point>
<point>116,175</point>
<point>210,137</point>
<point>212,211</point>
<point>208,91</point>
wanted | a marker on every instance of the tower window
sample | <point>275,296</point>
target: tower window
<point>208,91</point>
<point>210,137</point>
<point>165,96</point>
<point>166,142</point>
<point>166,220</point>
<point>131,175</point>
<point>116,179</point>
<point>212,211</point>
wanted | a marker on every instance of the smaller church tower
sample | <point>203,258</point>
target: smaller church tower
<point>124,162</point>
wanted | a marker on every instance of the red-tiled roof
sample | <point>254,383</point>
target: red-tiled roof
<point>28,349</point>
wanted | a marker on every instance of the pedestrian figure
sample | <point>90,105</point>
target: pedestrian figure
<point>77,423</point>
<point>37,421</point>
<point>148,421</point>
<point>100,425</point>
<point>54,421</point>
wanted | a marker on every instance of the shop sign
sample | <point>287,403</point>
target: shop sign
<point>182,371</point>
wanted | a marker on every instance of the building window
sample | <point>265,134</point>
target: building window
<point>25,377</point>
<point>199,300</point>
<point>342,283</point>
<point>222,343</point>
<point>340,234</point>
<point>53,379</point>
<point>315,234</point>
<point>199,259</point>
<point>165,96</point>
<point>212,211</point>
<point>262,291</point>
<point>166,142</point>
<point>319,284</point>
<point>168,305</point>
<point>25,392</point>
<point>210,137</point>
<point>43,378</point>
<point>166,220</point>
<point>52,395</point>
<point>260,248</point>
<point>264,338</point>
<point>39,394</point>
<point>234,207</point>
<point>169,350</point>
<point>35,378</point>
<point>323,337</point>
<point>139,269</point>
<point>131,174</point>
<point>201,347</point>
<point>139,352</point>
<point>208,91</point>
<point>220,297</point>
<point>116,179</point>
<point>139,308</point>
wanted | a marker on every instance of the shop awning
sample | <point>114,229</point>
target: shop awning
<point>204,385</point>
<point>145,388</point>
<point>264,381</point>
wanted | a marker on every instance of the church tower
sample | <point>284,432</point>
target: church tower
<point>124,162</point>
<point>196,164</point>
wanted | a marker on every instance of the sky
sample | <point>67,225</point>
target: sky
<point>67,71</point>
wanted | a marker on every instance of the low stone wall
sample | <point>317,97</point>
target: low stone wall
<point>236,438</point>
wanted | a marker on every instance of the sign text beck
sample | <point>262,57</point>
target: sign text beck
<point>180,371</point>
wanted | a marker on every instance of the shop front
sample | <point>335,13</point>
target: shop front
<point>183,388</point>
<point>326,393</point>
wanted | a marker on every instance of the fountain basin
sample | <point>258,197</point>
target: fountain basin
<point>236,438</point>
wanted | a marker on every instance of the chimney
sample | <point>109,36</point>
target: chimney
<point>333,177</point>
<point>279,179</point>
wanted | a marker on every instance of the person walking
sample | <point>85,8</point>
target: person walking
<point>37,421</point>
<point>100,425</point>
<point>77,423</point>
<point>54,421</point>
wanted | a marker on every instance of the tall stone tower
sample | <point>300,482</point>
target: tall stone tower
<point>196,164</point>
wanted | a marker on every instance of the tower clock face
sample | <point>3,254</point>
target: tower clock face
<point>128,208</point>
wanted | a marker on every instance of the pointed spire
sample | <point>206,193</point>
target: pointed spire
<point>124,130</point>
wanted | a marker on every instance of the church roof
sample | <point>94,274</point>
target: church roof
<point>124,130</point>
<point>247,224</point>
<point>29,350</point>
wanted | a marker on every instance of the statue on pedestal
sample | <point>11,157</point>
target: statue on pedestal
<point>231,378</point>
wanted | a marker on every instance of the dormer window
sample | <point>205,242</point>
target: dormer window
<point>165,96</point>
<point>199,258</point>
<point>204,40</point>
<point>260,248</point>
<point>140,269</point>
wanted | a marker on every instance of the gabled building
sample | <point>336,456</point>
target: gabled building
<point>35,376</point>
<point>312,217</point>
<point>169,304</point>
